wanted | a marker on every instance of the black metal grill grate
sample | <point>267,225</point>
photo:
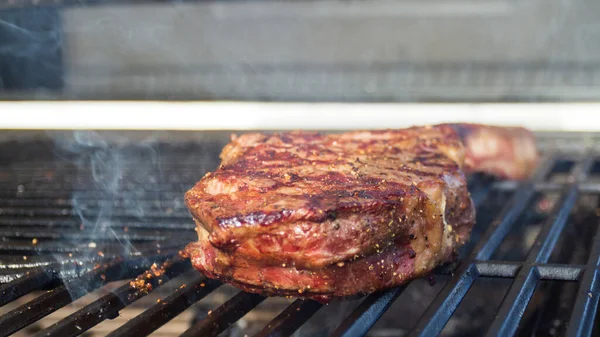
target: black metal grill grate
<point>56,237</point>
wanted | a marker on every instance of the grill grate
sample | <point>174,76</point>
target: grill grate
<point>64,234</point>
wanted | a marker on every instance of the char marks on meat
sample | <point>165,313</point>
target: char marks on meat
<point>312,215</point>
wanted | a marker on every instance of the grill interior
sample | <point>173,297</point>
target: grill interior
<point>92,226</point>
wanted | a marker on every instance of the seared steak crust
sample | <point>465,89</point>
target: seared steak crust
<point>332,215</point>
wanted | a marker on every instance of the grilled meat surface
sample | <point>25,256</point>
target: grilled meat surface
<point>318,216</point>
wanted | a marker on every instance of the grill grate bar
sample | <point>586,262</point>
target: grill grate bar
<point>109,305</point>
<point>479,195</point>
<point>147,196</point>
<point>116,203</point>
<point>443,306</point>
<point>71,290</point>
<point>499,230</point>
<point>590,187</point>
<point>17,277</point>
<point>156,316</point>
<point>516,300</point>
<point>549,236</point>
<point>36,279</point>
<point>560,272</point>
<point>225,315</point>
<point>584,309</point>
<point>551,231</point>
<point>479,188</point>
<point>541,186</point>
<point>585,187</point>
<point>40,233</point>
<point>289,320</point>
<point>71,265</point>
<point>497,268</point>
<point>37,203</point>
<point>586,305</point>
<point>367,313</point>
<point>156,223</point>
<point>91,186</point>
<point>439,311</point>
<point>546,271</point>
<point>20,247</point>
<point>93,212</point>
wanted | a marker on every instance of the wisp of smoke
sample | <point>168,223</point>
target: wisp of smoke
<point>108,192</point>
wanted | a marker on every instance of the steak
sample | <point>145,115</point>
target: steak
<point>321,216</point>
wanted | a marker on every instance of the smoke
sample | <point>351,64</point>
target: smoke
<point>114,184</point>
<point>35,40</point>
<point>106,170</point>
<point>31,49</point>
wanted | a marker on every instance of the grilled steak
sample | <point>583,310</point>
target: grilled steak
<point>313,215</point>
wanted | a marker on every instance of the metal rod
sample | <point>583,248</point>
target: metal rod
<point>516,300</point>
<point>55,299</point>
<point>445,303</point>
<point>580,173</point>
<point>559,272</point>
<point>367,313</point>
<point>497,268</point>
<point>500,229</point>
<point>35,280</point>
<point>514,304</point>
<point>42,234</point>
<point>584,309</point>
<point>94,212</point>
<point>515,207</point>
<point>443,306</point>
<point>156,316</point>
<point>89,186</point>
<point>589,187</point>
<point>74,222</point>
<point>46,212</point>
<point>479,189</point>
<point>25,248</point>
<point>84,195</point>
<point>73,265</point>
<point>547,271</point>
<point>549,234</point>
<point>228,313</point>
<point>289,320</point>
<point>108,306</point>
<point>116,203</point>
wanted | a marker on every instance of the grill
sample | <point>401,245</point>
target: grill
<point>81,214</point>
